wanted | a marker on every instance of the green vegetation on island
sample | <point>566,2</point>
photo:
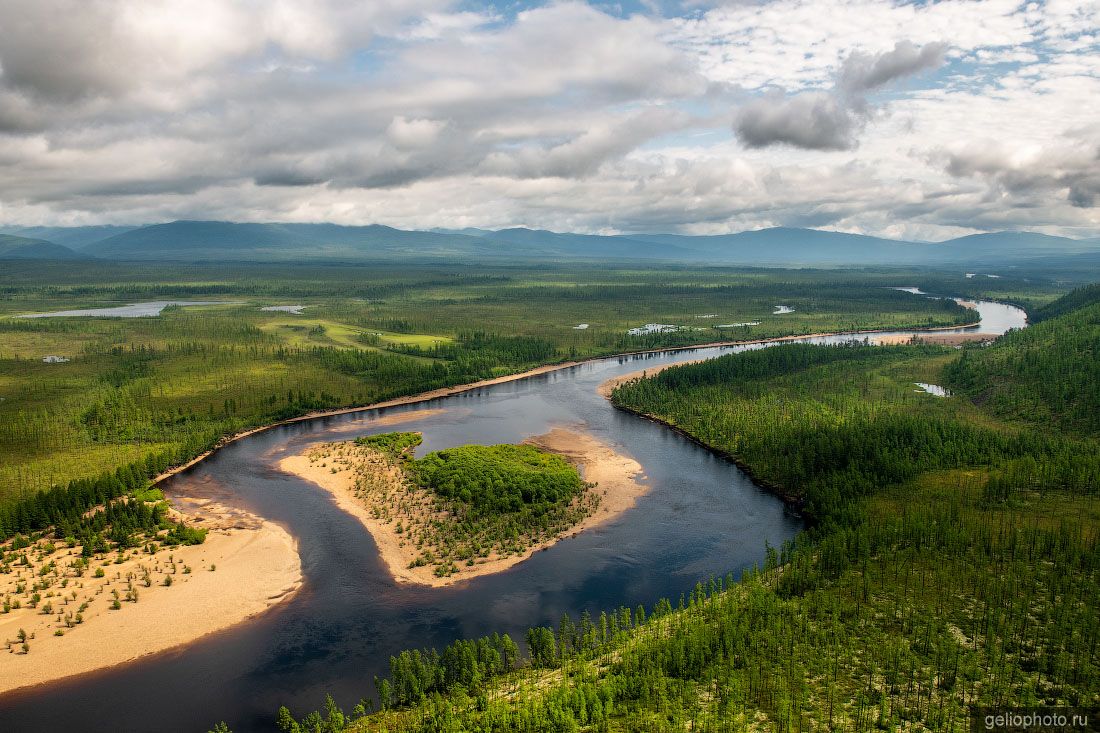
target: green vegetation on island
<point>467,504</point>
<point>499,479</point>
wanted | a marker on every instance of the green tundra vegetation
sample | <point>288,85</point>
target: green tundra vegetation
<point>848,617</point>
<point>951,560</point>
<point>471,502</point>
<point>147,393</point>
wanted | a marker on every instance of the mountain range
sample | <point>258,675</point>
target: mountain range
<point>196,241</point>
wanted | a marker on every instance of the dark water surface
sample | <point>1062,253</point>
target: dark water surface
<point>701,517</point>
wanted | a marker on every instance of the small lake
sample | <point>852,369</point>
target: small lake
<point>133,310</point>
<point>294,309</point>
<point>702,517</point>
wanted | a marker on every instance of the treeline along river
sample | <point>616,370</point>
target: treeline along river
<point>701,517</point>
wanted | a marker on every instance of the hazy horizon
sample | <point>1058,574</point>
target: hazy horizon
<point>17,228</point>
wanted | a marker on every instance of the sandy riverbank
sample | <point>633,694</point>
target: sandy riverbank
<point>943,339</point>
<point>245,566</point>
<point>334,467</point>
<point>607,387</point>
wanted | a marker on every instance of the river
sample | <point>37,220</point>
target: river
<point>701,517</point>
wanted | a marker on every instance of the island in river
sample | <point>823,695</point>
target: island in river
<point>427,536</point>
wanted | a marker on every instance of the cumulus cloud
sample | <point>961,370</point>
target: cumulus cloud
<point>1068,167</point>
<point>862,72</point>
<point>563,115</point>
<point>583,154</point>
<point>811,120</point>
<point>414,133</point>
<point>819,120</point>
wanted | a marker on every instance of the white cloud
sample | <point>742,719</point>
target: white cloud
<point>414,133</point>
<point>422,113</point>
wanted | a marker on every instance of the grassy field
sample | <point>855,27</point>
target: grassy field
<point>174,384</point>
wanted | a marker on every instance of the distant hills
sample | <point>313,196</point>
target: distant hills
<point>212,240</point>
<point>26,248</point>
<point>71,237</point>
<point>195,241</point>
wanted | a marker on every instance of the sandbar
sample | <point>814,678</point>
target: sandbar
<point>617,478</point>
<point>245,566</point>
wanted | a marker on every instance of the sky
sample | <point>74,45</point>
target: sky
<point>918,120</point>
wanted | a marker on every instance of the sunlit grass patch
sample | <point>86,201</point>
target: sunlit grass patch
<point>422,340</point>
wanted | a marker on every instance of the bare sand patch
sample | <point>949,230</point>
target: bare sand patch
<point>892,339</point>
<point>943,339</point>
<point>400,417</point>
<point>954,339</point>
<point>338,468</point>
<point>171,597</point>
<point>617,477</point>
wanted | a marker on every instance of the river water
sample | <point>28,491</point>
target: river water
<point>701,517</point>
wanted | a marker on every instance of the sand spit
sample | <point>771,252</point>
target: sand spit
<point>616,476</point>
<point>607,387</point>
<point>166,599</point>
<point>943,339</point>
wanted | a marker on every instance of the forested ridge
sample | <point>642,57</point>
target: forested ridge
<point>1048,373</point>
<point>953,561</point>
<point>817,421</point>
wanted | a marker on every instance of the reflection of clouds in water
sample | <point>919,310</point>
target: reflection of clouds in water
<point>932,389</point>
<point>518,604</point>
